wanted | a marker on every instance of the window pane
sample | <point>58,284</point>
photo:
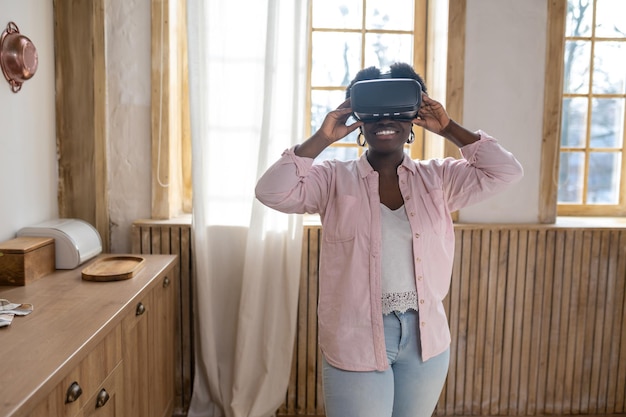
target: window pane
<point>604,173</point>
<point>389,15</point>
<point>576,70</point>
<point>323,102</point>
<point>607,123</point>
<point>609,61</point>
<point>336,58</point>
<point>579,15</point>
<point>382,50</point>
<point>610,18</point>
<point>574,122</point>
<point>571,175</point>
<point>335,14</point>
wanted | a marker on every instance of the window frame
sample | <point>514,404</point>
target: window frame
<point>420,27</point>
<point>549,208</point>
<point>170,117</point>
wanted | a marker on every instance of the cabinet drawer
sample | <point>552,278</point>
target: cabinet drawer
<point>109,397</point>
<point>84,381</point>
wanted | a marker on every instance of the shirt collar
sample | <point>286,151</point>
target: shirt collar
<point>366,169</point>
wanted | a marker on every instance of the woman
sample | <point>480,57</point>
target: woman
<point>387,250</point>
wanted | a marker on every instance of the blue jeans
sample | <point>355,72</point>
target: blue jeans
<point>409,388</point>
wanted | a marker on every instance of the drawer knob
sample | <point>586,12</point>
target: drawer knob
<point>73,392</point>
<point>103,397</point>
<point>166,282</point>
<point>140,309</point>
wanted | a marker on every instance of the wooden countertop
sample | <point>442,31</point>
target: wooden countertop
<point>70,317</point>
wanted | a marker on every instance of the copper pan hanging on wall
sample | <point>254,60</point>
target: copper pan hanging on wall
<point>18,57</point>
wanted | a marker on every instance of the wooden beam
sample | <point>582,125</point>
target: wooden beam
<point>79,38</point>
<point>456,67</point>
<point>552,103</point>
<point>167,125</point>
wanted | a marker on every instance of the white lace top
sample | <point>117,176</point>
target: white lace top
<point>398,275</point>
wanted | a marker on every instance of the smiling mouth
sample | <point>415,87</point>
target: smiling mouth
<point>385,132</point>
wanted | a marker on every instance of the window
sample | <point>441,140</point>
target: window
<point>592,168</point>
<point>346,35</point>
<point>349,35</point>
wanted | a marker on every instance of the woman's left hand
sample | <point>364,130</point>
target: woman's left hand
<point>431,115</point>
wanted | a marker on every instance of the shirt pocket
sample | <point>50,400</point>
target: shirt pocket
<point>341,219</point>
<point>434,213</point>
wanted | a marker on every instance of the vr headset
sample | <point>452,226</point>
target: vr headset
<point>395,98</point>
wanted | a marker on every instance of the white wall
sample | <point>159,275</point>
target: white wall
<point>505,64</point>
<point>128,67</point>
<point>28,165</point>
<point>504,81</point>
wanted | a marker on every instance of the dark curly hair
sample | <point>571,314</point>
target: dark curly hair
<point>396,70</point>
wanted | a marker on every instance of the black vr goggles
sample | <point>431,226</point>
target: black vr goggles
<point>395,98</point>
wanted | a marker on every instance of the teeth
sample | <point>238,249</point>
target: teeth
<point>386,132</point>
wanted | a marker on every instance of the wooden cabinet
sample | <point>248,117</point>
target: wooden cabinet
<point>92,349</point>
<point>149,352</point>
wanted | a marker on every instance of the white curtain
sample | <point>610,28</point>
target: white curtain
<point>247,90</point>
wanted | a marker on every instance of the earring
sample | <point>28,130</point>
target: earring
<point>358,138</point>
<point>411,137</point>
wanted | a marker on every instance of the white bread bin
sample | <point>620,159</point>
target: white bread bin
<point>75,241</point>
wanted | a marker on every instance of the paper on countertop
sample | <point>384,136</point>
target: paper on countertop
<point>6,319</point>
<point>17,309</point>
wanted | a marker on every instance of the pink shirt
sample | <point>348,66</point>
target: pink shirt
<point>345,194</point>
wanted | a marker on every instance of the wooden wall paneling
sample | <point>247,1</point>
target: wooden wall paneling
<point>554,350</point>
<point>517,311</point>
<point>562,366</point>
<point>601,303</point>
<point>174,237</point>
<point>603,343</point>
<point>534,320</point>
<point>319,388</point>
<point>299,357</point>
<point>445,406</point>
<point>471,382</point>
<point>573,360</point>
<point>537,317</point>
<point>187,359</point>
<point>547,266</point>
<point>618,359</point>
<point>301,354</point>
<point>502,263</point>
<point>311,337</point>
<point>482,347</point>
<point>587,298</point>
<point>526,311</point>
<point>616,391</point>
<point>508,281</point>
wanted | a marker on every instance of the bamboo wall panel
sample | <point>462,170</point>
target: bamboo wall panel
<point>304,393</point>
<point>538,321</point>
<point>168,237</point>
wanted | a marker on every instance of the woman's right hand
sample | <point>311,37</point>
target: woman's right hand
<point>334,125</point>
<point>333,128</point>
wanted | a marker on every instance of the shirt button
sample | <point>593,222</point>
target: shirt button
<point>423,323</point>
<point>419,278</point>
<point>418,259</point>
<point>412,214</point>
<point>417,235</point>
<point>421,301</point>
<point>408,197</point>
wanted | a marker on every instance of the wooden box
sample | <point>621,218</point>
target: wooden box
<point>25,259</point>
